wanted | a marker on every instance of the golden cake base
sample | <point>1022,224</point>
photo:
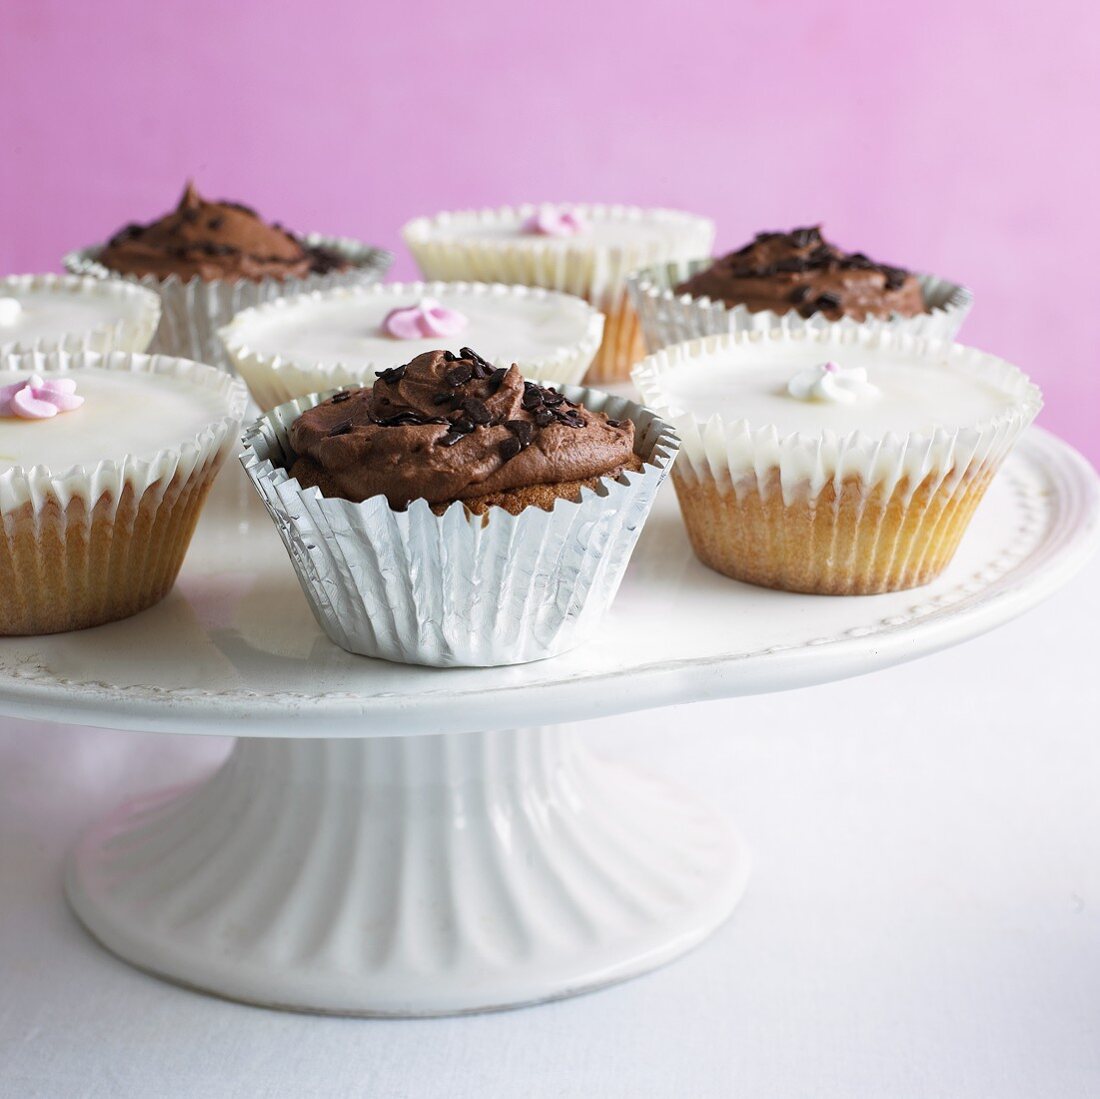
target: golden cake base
<point>63,567</point>
<point>851,541</point>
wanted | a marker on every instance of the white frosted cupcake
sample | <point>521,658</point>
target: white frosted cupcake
<point>209,260</point>
<point>794,281</point>
<point>295,346</point>
<point>105,461</point>
<point>579,249</point>
<point>835,462</point>
<point>67,313</point>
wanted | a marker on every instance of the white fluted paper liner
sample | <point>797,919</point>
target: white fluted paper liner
<point>194,309</point>
<point>131,314</point>
<point>456,589</point>
<point>727,449</point>
<point>275,379</point>
<point>92,543</point>
<point>667,317</point>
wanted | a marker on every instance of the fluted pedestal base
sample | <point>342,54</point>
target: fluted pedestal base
<point>408,875</point>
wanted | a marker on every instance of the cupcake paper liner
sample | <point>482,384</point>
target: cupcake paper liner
<point>667,317</point>
<point>457,589</point>
<point>597,273</point>
<point>828,513</point>
<point>275,379</point>
<point>138,309</point>
<point>91,544</point>
<point>194,310</point>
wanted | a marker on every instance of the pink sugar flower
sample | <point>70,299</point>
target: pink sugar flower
<point>429,318</point>
<point>551,222</point>
<point>38,399</point>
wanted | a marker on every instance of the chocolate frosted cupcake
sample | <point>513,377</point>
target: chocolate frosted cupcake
<point>216,240</point>
<point>209,260</point>
<point>457,514</point>
<point>803,271</point>
<point>792,281</point>
<point>448,428</point>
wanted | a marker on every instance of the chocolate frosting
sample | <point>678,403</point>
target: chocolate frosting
<point>801,270</point>
<point>214,240</point>
<point>450,427</point>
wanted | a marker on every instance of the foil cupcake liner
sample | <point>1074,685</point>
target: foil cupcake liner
<point>90,544</point>
<point>459,590</point>
<point>131,330</point>
<point>597,273</point>
<point>667,318</point>
<point>827,513</point>
<point>275,379</point>
<point>194,309</point>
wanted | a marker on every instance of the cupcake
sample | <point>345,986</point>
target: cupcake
<point>105,461</point>
<point>67,313</point>
<point>583,250</point>
<point>294,346</point>
<point>837,461</point>
<point>209,260</point>
<point>455,514</point>
<point>793,281</point>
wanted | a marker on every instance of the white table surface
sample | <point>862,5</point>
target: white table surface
<point>923,917</point>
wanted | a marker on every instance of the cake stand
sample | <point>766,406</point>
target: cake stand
<point>393,840</point>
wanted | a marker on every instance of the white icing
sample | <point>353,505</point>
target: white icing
<point>53,314</point>
<point>906,394</point>
<point>347,327</point>
<point>831,382</point>
<point>942,409</point>
<point>124,415</point>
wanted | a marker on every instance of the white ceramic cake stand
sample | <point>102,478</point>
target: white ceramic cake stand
<point>339,862</point>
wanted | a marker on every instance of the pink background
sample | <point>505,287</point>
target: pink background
<point>954,137</point>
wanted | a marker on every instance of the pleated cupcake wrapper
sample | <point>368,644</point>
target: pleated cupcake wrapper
<point>194,309</point>
<point>927,479</point>
<point>90,544</point>
<point>667,318</point>
<point>138,313</point>
<point>456,589</point>
<point>597,273</point>
<point>276,379</point>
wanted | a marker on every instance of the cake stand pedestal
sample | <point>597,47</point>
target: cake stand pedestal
<point>392,840</point>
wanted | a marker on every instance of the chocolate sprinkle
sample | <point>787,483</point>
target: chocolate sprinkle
<point>478,411</point>
<point>342,428</point>
<point>343,395</point>
<point>391,376</point>
<point>459,375</point>
<point>522,430</point>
